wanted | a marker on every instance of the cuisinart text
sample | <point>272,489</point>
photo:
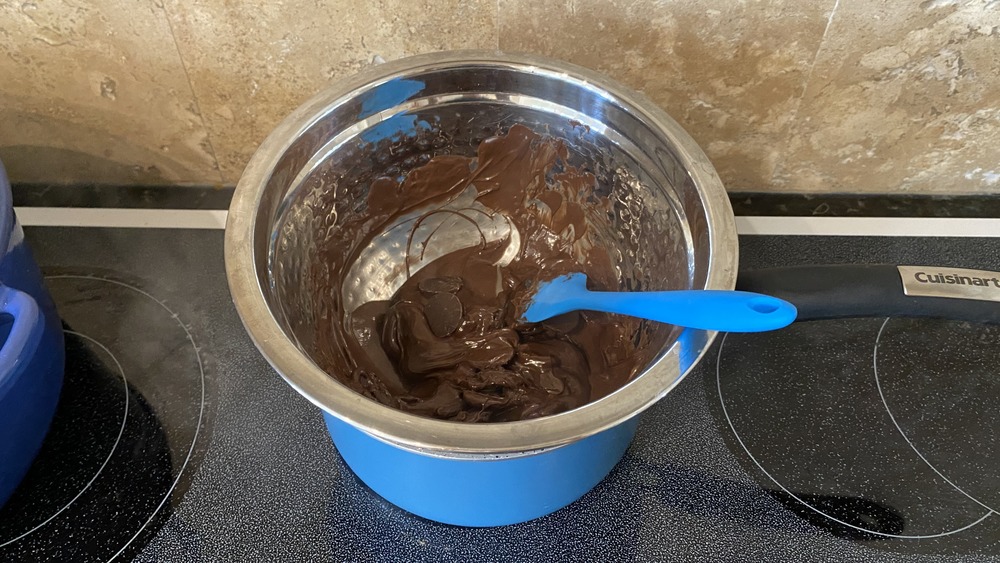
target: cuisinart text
<point>933,281</point>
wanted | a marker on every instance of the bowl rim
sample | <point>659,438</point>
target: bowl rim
<point>439,437</point>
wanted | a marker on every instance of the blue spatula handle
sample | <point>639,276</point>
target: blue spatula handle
<point>730,311</point>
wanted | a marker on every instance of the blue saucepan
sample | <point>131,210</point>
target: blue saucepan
<point>672,229</point>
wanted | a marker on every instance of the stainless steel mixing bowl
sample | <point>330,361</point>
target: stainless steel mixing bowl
<point>671,224</point>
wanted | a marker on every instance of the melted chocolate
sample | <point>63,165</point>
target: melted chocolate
<point>449,343</point>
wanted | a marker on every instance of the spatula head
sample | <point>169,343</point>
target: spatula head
<point>555,297</point>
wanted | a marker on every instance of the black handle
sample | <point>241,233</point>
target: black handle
<point>838,291</point>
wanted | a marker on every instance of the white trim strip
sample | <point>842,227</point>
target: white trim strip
<point>122,218</point>
<point>800,226</point>
<point>870,226</point>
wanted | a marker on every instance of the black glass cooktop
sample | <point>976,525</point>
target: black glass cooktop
<point>856,440</point>
<point>882,430</point>
<point>122,443</point>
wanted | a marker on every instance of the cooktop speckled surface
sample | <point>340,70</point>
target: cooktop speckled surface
<point>855,440</point>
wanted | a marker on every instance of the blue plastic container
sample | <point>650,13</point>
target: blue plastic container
<point>32,357</point>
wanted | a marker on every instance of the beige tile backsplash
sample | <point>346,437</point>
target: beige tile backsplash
<point>784,95</point>
<point>92,91</point>
<point>251,63</point>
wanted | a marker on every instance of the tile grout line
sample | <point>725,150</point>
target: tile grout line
<point>194,95</point>
<point>805,88</point>
<point>918,227</point>
<point>215,219</point>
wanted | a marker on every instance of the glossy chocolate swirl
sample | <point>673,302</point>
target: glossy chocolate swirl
<point>448,344</point>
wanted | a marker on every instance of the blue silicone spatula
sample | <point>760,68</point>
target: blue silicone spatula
<point>706,309</point>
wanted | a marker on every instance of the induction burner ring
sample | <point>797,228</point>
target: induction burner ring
<point>185,450</point>
<point>201,406</point>
<point>892,417</point>
<point>739,439</point>
<point>121,430</point>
